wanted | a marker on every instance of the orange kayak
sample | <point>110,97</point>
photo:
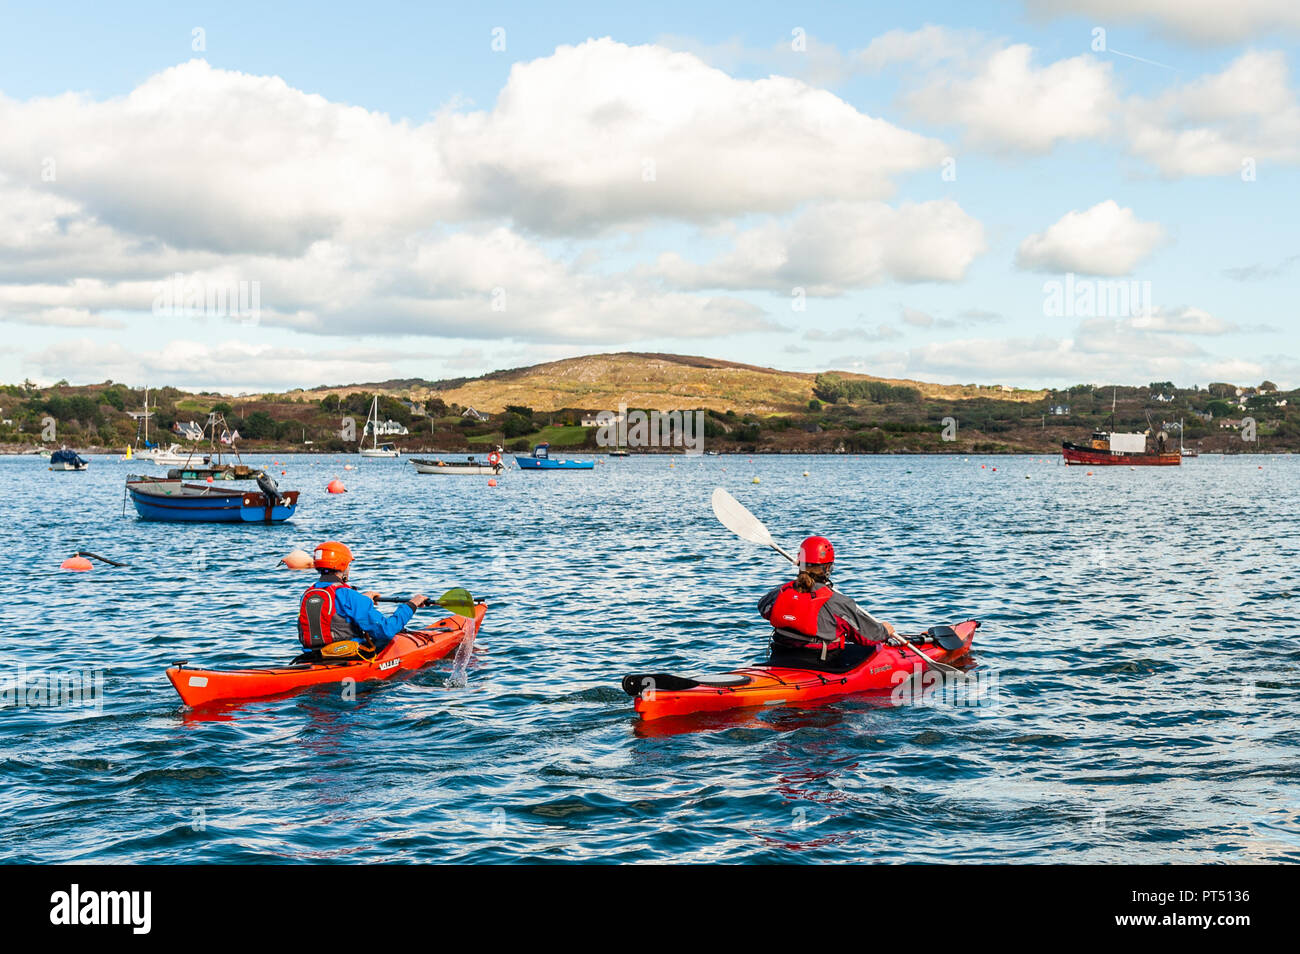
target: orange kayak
<point>409,650</point>
<point>660,695</point>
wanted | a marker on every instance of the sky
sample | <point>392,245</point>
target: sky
<point>1041,193</point>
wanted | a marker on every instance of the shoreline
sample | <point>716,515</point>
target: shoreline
<point>29,451</point>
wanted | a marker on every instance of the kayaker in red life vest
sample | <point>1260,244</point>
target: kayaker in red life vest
<point>814,627</point>
<point>331,611</point>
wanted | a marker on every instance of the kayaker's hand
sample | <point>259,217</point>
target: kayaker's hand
<point>889,629</point>
<point>419,600</point>
<point>373,597</point>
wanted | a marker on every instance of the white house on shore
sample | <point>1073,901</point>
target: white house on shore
<point>593,419</point>
<point>189,430</point>
<point>474,415</point>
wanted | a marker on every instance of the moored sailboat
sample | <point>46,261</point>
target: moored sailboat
<point>372,427</point>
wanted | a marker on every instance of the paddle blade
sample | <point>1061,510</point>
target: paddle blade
<point>458,601</point>
<point>733,515</point>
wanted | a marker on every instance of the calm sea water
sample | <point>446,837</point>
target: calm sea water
<point>1141,626</point>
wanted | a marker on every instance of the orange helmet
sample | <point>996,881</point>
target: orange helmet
<point>331,556</point>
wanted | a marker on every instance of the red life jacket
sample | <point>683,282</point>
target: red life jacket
<point>317,624</point>
<point>798,612</point>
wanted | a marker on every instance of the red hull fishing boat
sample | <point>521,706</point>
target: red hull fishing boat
<point>1109,447</point>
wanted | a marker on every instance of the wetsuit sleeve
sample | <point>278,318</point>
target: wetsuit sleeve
<point>871,629</point>
<point>767,602</point>
<point>357,607</point>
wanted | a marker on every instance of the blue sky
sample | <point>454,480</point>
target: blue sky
<point>840,186</point>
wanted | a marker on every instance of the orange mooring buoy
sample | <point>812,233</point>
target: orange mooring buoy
<point>77,563</point>
<point>297,560</point>
<point>335,486</point>
<point>492,481</point>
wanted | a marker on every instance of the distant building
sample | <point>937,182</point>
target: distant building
<point>189,430</point>
<point>1060,410</point>
<point>1164,398</point>
<point>594,419</point>
<point>1205,416</point>
<point>474,415</point>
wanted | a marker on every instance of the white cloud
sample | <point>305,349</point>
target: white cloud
<point>227,364</point>
<point>837,246</point>
<point>1103,240</point>
<point>881,332</point>
<point>206,158</point>
<point>1101,353</point>
<point>1212,125</point>
<point>1183,320</point>
<point>62,318</point>
<point>1008,103</point>
<point>917,319</point>
<point>566,146</point>
<point>922,48</point>
<point>1202,21</point>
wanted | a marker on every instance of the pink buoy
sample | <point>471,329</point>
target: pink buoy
<point>335,486</point>
<point>76,563</point>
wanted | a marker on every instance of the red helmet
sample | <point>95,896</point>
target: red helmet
<point>816,550</point>
<point>331,556</point>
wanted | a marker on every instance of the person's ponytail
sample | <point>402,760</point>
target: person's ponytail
<point>812,577</point>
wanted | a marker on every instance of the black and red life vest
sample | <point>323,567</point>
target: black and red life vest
<point>795,616</point>
<point>318,624</point>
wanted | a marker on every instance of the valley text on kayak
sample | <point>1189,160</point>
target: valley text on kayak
<point>77,689</point>
<point>77,907</point>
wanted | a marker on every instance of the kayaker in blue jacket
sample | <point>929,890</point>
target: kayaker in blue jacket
<point>813,626</point>
<point>332,611</point>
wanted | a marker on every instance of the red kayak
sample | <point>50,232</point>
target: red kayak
<point>408,650</point>
<point>661,694</point>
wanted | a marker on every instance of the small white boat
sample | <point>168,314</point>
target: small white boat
<point>492,465</point>
<point>65,459</point>
<point>173,456</point>
<point>372,427</point>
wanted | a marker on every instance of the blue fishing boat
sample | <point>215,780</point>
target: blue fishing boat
<point>174,498</point>
<point>180,497</point>
<point>541,459</point>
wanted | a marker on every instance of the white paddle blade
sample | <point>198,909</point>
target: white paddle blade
<point>733,515</point>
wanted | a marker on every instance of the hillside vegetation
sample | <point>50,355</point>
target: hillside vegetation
<point>744,407</point>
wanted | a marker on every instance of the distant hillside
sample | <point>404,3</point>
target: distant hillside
<point>663,381</point>
<point>745,408</point>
